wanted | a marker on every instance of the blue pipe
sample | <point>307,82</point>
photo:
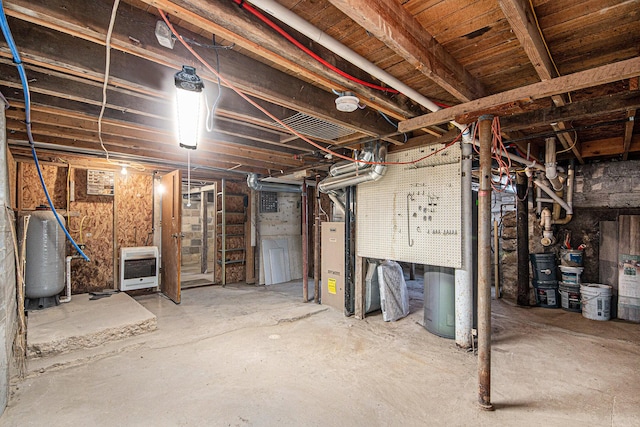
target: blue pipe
<point>27,107</point>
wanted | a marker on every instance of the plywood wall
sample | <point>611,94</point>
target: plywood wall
<point>32,194</point>
<point>134,210</point>
<point>92,218</point>
<point>91,225</point>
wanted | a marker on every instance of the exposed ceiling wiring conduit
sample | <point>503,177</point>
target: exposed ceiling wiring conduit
<point>107,69</point>
<point>244,5</point>
<point>285,15</point>
<point>465,130</point>
<point>27,107</point>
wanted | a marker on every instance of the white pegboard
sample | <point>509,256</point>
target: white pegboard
<point>413,214</point>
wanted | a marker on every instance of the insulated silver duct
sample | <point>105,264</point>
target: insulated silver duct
<point>339,204</point>
<point>257,185</point>
<point>347,166</point>
<point>366,174</point>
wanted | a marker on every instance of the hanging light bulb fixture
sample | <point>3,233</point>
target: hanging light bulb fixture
<point>188,96</point>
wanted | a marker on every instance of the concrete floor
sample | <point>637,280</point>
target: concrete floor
<point>258,356</point>
<point>85,322</point>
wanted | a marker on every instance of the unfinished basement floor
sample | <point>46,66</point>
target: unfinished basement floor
<point>258,356</point>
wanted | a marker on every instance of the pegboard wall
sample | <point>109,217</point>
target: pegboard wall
<point>413,214</point>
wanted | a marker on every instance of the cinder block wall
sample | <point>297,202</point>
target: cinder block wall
<point>192,230</point>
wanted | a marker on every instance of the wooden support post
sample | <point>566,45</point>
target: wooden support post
<point>204,249</point>
<point>484,265</point>
<point>522,230</point>
<point>223,233</point>
<point>250,273</point>
<point>316,246</point>
<point>496,259</point>
<point>360,289</point>
<point>305,243</point>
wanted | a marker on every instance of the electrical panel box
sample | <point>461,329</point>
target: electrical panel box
<point>333,271</point>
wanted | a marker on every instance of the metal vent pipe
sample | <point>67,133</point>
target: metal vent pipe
<point>257,185</point>
<point>370,173</point>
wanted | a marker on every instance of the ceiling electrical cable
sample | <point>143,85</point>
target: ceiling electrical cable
<point>211,112</point>
<point>255,12</point>
<point>4,25</point>
<point>280,122</point>
<point>107,68</point>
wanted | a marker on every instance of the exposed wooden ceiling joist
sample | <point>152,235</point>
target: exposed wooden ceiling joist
<point>572,82</point>
<point>133,34</point>
<point>226,19</point>
<point>391,23</point>
<point>524,24</point>
<point>580,110</point>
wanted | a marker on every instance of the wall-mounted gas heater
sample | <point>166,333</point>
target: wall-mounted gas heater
<point>139,267</point>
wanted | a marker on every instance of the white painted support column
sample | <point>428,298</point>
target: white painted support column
<point>464,275</point>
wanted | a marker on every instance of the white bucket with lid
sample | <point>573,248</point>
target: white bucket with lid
<point>596,301</point>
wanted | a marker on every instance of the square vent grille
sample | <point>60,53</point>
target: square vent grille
<point>316,128</point>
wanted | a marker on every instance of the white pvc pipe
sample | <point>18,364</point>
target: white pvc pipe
<point>550,164</point>
<point>553,195</point>
<point>294,21</point>
<point>68,297</point>
<point>463,306</point>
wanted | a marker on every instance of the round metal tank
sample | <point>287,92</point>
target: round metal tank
<point>45,269</point>
<point>439,301</point>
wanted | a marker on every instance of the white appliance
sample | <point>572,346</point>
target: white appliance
<point>139,267</point>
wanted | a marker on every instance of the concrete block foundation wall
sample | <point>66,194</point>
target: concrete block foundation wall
<point>284,224</point>
<point>192,229</point>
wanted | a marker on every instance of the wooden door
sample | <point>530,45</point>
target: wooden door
<point>171,235</point>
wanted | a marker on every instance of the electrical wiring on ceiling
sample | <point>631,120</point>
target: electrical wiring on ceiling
<point>255,12</point>
<point>395,125</point>
<point>212,111</point>
<point>107,68</point>
<point>6,31</point>
<point>499,153</point>
<point>280,122</point>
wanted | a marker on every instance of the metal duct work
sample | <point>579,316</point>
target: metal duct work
<point>255,184</point>
<point>339,204</point>
<point>347,166</point>
<point>367,174</point>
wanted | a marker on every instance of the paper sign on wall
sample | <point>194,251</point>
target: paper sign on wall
<point>332,286</point>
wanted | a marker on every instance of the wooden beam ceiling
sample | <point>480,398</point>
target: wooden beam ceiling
<point>572,82</point>
<point>136,36</point>
<point>524,24</point>
<point>227,20</point>
<point>391,23</point>
<point>580,110</point>
<point>62,44</point>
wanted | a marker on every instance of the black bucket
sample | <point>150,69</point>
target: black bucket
<point>570,296</point>
<point>547,294</point>
<point>544,267</point>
